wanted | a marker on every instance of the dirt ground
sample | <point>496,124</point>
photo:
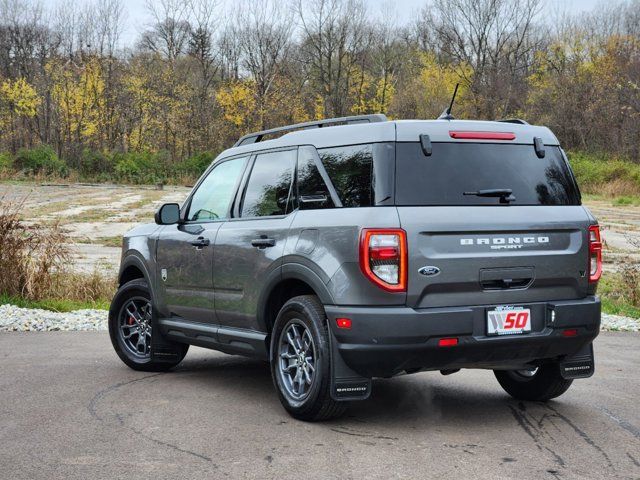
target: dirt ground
<point>96,216</point>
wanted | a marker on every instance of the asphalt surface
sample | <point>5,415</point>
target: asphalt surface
<point>70,409</point>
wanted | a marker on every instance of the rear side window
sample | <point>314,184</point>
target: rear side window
<point>269,185</point>
<point>350,170</point>
<point>456,168</point>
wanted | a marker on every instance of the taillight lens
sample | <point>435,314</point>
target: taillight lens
<point>595,253</point>
<point>383,258</point>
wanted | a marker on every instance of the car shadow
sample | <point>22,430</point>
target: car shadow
<point>413,400</point>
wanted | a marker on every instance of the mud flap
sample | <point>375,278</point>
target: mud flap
<point>346,385</point>
<point>580,365</point>
<point>163,350</point>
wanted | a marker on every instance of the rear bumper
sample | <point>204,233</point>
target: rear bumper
<point>385,341</point>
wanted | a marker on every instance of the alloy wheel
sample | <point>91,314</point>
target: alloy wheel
<point>297,359</point>
<point>134,326</point>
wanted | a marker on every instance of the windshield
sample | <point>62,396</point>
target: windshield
<point>482,174</point>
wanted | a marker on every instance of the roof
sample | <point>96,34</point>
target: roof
<point>397,130</point>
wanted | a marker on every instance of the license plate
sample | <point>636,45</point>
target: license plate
<point>508,321</point>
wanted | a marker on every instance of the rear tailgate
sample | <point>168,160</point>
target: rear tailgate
<point>536,254</point>
<point>490,223</point>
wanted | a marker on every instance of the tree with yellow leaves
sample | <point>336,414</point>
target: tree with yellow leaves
<point>78,93</point>
<point>19,102</point>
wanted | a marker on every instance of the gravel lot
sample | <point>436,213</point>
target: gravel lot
<point>16,319</point>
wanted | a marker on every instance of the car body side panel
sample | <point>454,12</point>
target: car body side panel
<point>327,243</point>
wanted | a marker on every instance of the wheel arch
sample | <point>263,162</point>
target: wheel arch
<point>133,268</point>
<point>294,280</point>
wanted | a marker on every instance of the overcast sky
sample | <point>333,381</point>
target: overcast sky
<point>138,18</point>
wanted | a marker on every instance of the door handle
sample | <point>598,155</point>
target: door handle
<point>201,242</point>
<point>263,242</point>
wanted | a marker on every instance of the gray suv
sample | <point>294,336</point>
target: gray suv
<point>357,247</point>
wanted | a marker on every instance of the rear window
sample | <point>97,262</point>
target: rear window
<point>456,168</point>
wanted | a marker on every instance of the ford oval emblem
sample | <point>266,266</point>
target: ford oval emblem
<point>429,271</point>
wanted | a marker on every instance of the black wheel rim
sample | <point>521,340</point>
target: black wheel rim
<point>297,360</point>
<point>134,327</point>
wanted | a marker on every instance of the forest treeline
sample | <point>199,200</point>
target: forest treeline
<point>74,96</point>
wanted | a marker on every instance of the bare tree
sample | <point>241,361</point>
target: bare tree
<point>169,34</point>
<point>263,29</point>
<point>496,38</point>
<point>334,32</point>
<point>109,26</point>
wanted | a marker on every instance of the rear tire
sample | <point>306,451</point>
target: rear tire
<point>300,360</point>
<point>543,385</point>
<point>130,328</point>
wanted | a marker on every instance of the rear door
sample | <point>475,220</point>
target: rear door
<point>249,247</point>
<point>469,249</point>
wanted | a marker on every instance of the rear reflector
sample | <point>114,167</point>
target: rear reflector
<point>570,332</point>
<point>482,135</point>
<point>447,342</point>
<point>343,323</point>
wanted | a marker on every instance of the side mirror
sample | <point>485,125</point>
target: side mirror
<point>168,214</point>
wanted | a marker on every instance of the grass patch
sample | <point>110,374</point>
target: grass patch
<point>626,200</point>
<point>603,174</point>
<point>618,292</point>
<point>115,241</point>
<point>54,304</point>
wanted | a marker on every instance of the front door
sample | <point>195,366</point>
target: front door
<point>185,252</point>
<point>249,247</point>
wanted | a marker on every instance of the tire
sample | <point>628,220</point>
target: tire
<point>543,385</point>
<point>304,400</point>
<point>137,331</point>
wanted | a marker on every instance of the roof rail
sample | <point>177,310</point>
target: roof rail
<point>256,137</point>
<point>514,120</point>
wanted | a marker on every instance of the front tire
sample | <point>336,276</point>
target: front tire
<point>538,385</point>
<point>130,328</point>
<point>300,360</point>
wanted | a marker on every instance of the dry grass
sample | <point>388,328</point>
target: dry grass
<point>616,188</point>
<point>35,262</point>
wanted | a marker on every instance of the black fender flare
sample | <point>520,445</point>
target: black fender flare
<point>290,271</point>
<point>133,258</point>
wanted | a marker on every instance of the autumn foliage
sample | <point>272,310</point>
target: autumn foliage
<point>75,99</point>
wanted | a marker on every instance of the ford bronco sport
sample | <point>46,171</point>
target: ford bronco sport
<point>370,248</point>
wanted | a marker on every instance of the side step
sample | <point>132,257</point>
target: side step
<point>580,365</point>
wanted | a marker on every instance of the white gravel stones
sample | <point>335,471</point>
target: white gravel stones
<point>17,319</point>
<point>617,323</point>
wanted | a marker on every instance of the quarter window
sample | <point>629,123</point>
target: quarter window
<point>269,186</point>
<point>213,196</point>
<point>350,170</point>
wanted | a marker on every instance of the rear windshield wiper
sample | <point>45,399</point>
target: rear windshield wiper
<point>504,194</point>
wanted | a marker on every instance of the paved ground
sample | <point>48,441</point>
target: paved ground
<point>70,409</point>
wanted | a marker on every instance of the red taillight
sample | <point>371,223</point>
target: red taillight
<point>570,332</point>
<point>595,253</point>
<point>383,257</point>
<point>343,323</point>
<point>482,135</point>
<point>447,342</point>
